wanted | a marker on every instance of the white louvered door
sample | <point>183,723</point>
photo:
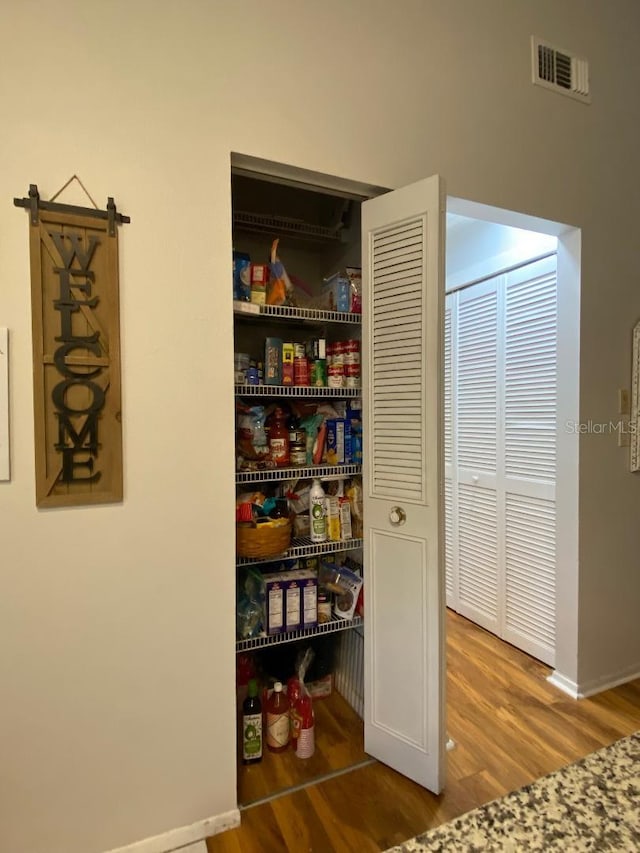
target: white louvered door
<point>402,253</point>
<point>501,496</point>
<point>477,448</point>
<point>530,395</point>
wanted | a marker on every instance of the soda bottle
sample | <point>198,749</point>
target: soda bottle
<point>278,721</point>
<point>252,725</point>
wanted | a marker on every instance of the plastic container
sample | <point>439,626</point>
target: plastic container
<point>305,744</point>
<point>293,694</point>
<point>252,725</point>
<point>279,439</point>
<point>278,720</point>
<point>317,512</point>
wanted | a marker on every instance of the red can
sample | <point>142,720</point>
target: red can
<point>338,353</point>
<point>352,352</point>
<point>335,375</point>
<point>352,375</point>
<point>301,371</point>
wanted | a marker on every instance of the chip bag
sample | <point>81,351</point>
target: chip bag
<point>279,288</point>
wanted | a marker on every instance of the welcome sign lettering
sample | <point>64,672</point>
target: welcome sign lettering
<point>76,351</point>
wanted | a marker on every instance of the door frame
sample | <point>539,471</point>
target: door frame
<point>569,239</point>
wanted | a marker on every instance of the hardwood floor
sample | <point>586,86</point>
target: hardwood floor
<point>509,725</point>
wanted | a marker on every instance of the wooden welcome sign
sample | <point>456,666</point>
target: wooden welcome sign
<point>76,352</point>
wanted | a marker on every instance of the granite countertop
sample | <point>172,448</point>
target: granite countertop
<point>592,805</point>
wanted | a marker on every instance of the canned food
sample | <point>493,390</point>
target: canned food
<point>338,353</point>
<point>335,376</point>
<point>299,351</point>
<point>352,375</point>
<point>352,352</point>
<point>300,371</point>
<point>319,373</point>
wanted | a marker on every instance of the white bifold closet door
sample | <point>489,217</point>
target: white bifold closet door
<point>500,455</point>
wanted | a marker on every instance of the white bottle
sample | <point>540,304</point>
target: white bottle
<point>317,516</point>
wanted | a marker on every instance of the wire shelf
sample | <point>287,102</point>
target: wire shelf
<point>295,391</point>
<point>323,472</point>
<point>291,636</point>
<point>304,547</point>
<point>286,312</point>
<point>274,224</point>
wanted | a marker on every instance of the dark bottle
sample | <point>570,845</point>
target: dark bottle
<point>252,726</point>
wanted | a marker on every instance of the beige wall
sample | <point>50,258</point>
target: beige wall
<point>117,622</point>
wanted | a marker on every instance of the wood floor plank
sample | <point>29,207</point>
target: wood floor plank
<point>510,726</point>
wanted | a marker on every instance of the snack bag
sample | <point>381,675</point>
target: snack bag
<point>279,288</point>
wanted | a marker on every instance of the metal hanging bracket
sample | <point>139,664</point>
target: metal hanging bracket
<point>34,204</point>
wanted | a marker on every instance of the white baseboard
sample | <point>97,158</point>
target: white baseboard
<point>596,685</point>
<point>184,838</point>
<point>563,683</point>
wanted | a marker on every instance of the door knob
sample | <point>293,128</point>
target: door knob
<point>475,478</point>
<point>397,516</point>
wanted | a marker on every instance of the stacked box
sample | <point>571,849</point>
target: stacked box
<point>291,600</point>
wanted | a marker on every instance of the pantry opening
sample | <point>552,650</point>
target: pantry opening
<point>316,220</point>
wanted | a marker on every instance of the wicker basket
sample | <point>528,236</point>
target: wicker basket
<point>263,540</point>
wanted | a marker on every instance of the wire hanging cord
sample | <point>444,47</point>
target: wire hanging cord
<point>84,189</point>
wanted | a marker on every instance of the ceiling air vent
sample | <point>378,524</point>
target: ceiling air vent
<point>557,69</point>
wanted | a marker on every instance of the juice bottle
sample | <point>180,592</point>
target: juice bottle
<point>278,722</point>
<point>252,725</point>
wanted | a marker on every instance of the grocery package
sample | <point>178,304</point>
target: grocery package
<point>250,606</point>
<point>279,288</point>
<point>345,584</point>
<point>342,291</point>
<point>241,276</point>
<point>290,600</point>
<point>259,283</point>
<point>251,441</point>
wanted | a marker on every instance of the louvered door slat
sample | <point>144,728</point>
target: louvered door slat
<point>398,328</point>
<point>530,558</point>
<point>478,555</point>
<point>530,379</point>
<point>448,540</point>
<point>476,382</point>
<point>448,413</point>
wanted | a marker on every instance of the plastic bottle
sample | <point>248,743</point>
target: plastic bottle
<point>317,512</point>
<point>252,726</point>
<point>305,744</point>
<point>279,439</point>
<point>278,721</point>
<point>293,694</point>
